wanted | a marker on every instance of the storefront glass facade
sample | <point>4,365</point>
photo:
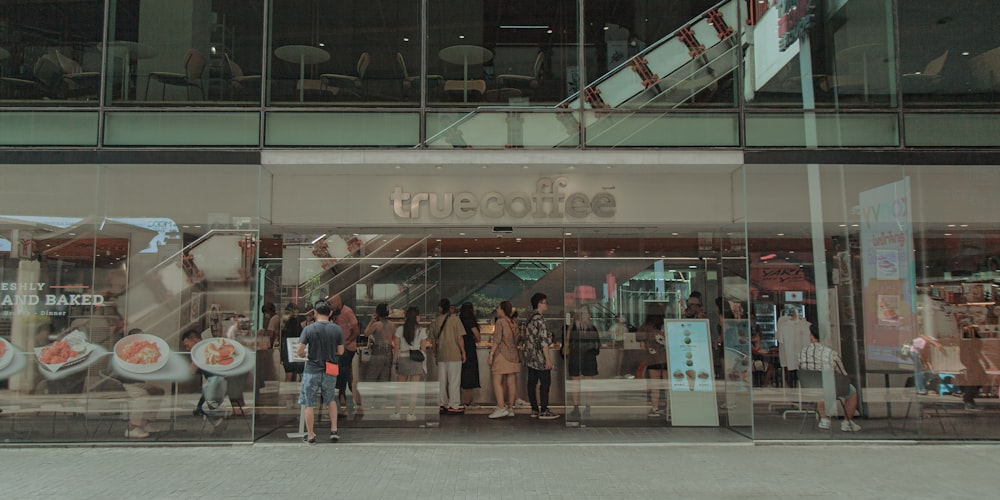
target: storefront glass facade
<point>837,181</point>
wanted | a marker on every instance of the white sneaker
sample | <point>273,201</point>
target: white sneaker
<point>521,402</point>
<point>136,433</point>
<point>824,423</point>
<point>500,412</point>
<point>411,417</point>
<point>510,411</point>
<point>394,416</point>
<point>849,426</point>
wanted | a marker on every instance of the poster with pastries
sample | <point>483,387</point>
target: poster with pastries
<point>690,355</point>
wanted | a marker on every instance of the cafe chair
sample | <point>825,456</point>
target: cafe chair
<point>347,84</point>
<point>42,82</point>
<point>413,82</point>
<point>241,86</point>
<point>926,81</point>
<point>811,384</point>
<point>77,83</point>
<point>525,83</point>
<point>194,66</point>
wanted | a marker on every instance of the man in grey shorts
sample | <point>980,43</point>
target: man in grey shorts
<point>325,342</point>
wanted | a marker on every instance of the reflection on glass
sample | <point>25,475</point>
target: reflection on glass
<point>49,52</point>
<point>182,54</point>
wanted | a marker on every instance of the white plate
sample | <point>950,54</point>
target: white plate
<point>199,354</point>
<point>8,354</point>
<point>160,344</point>
<point>82,352</point>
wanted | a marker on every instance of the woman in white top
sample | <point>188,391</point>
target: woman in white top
<point>409,337</point>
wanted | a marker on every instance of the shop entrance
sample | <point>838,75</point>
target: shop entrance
<point>607,281</point>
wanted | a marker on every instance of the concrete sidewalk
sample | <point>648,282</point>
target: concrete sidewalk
<point>396,471</point>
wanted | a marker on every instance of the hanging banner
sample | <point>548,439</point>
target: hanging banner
<point>887,269</point>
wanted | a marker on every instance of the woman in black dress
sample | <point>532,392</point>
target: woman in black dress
<point>470,368</point>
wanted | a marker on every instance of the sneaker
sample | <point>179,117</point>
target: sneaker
<point>500,412</point>
<point>575,414</point>
<point>334,437</point>
<point>547,415</point>
<point>307,440</point>
<point>973,407</point>
<point>534,414</point>
<point>521,402</point>
<point>394,416</point>
<point>824,423</point>
<point>849,426</point>
<point>411,417</point>
<point>510,411</point>
<point>136,433</point>
<point>654,413</point>
<point>456,411</point>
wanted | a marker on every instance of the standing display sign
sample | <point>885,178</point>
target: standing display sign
<point>692,384</point>
<point>887,269</point>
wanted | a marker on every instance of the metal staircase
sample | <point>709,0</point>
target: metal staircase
<point>667,74</point>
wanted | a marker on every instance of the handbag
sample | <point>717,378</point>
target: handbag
<point>417,356</point>
<point>332,369</point>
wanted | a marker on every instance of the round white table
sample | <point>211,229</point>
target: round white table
<point>465,55</point>
<point>302,54</point>
<point>127,51</point>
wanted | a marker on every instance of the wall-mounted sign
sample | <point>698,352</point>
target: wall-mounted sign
<point>15,294</point>
<point>547,202</point>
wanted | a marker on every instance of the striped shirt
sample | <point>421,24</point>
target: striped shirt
<point>818,357</point>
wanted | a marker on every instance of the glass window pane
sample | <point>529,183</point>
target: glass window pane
<point>949,52</point>
<point>161,128</point>
<point>832,130</point>
<point>687,53</point>
<point>49,52</point>
<point>497,129</point>
<point>344,53</point>
<point>851,56</point>
<point>501,51</point>
<point>184,53</point>
<point>48,128</point>
<point>671,129</point>
<point>342,129</point>
<point>952,129</point>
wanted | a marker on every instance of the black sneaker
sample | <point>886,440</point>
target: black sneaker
<point>307,440</point>
<point>547,415</point>
<point>534,414</point>
<point>973,407</point>
<point>334,437</point>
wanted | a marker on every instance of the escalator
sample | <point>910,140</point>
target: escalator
<point>669,73</point>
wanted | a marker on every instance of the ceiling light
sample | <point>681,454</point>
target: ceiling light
<point>461,234</point>
<point>965,53</point>
<point>568,234</point>
<point>406,39</point>
<point>951,225</point>
<point>947,234</point>
<point>781,234</point>
<point>375,266</point>
<point>675,234</point>
<point>461,37</point>
<point>768,256</point>
<point>963,225</point>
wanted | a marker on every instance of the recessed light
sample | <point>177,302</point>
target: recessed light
<point>568,234</point>
<point>951,225</point>
<point>963,225</point>
<point>461,234</point>
<point>781,234</point>
<point>439,239</point>
<point>947,234</point>
<point>965,53</point>
<point>675,234</point>
<point>855,225</point>
<point>843,225</point>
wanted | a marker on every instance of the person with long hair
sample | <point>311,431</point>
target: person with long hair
<point>504,361</point>
<point>410,336</point>
<point>584,346</point>
<point>653,339</point>
<point>470,367</point>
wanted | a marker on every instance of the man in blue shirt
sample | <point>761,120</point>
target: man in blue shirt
<point>325,342</point>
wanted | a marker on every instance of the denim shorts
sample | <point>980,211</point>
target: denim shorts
<point>313,383</point>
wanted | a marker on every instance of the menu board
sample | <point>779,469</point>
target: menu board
<point>690,356</point>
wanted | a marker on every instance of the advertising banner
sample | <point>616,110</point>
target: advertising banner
<point>887,269</point>
<point>690,361</point>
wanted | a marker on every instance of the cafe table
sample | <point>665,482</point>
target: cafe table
<point>302,54</point>
<point>465,55</point>
<point>127,51</point>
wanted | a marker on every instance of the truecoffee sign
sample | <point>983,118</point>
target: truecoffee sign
<point>547,202</point>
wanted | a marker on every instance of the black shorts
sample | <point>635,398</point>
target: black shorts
<point>585,366</point>
<point>657,366</point>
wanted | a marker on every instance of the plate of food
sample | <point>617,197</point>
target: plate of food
<point>217,354</point>
<point>6,353</point>
<point>62,353</point>
<point>141,353</point>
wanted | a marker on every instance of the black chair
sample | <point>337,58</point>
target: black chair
<point>811,381</point>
